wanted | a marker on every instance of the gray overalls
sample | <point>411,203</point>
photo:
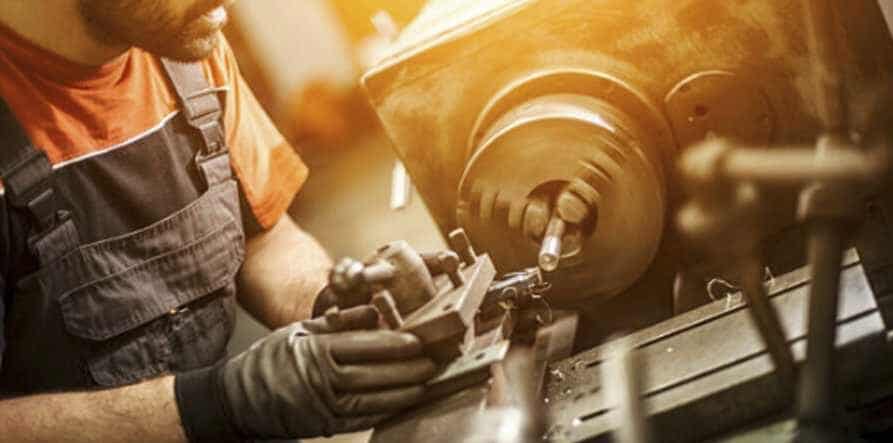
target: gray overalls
<point>88,309</point>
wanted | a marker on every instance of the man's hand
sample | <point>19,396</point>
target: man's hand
<point>312,379</point>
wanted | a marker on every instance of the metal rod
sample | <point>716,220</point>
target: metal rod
<point>815,395</point>
<point>378,272</point>
<point>623,378</point>
<point>815,399</point>
<point>459,242</point>
<point>796,166</point>
<point>833,160</point>
<point>550,251</point>
<point>766,319</point>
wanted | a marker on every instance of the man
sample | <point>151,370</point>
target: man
<point>131,181</point>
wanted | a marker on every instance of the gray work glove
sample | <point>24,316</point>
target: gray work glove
<point>308,379</point>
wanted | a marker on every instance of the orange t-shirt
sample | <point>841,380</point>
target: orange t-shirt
<point>72,111</point>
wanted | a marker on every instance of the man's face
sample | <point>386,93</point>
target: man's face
<point>185,30</point>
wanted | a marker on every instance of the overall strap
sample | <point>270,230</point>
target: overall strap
<point>202,109</point>
<point>29,188</point>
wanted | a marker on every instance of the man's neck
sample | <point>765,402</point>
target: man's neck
<point>59,27</point>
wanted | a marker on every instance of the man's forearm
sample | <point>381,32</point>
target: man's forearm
<point>137,413</point>
<point>284,270</point>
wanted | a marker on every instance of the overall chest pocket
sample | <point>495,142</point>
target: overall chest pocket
<point>159,299</point>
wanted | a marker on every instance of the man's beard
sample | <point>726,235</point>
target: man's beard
<point>148,25</point>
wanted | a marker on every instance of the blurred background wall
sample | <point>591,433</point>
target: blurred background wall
<point>303,60</point>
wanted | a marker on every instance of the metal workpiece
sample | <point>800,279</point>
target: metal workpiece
<point>708,372</point>
<point>550,251</point>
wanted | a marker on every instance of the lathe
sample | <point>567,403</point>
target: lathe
<point>670,219</point>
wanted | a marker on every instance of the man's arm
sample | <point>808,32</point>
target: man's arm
<point>309,379</point>
<point>137,413</point>
<point>284,270</point>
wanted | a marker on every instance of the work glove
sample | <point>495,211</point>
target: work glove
<point>313,378</point>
